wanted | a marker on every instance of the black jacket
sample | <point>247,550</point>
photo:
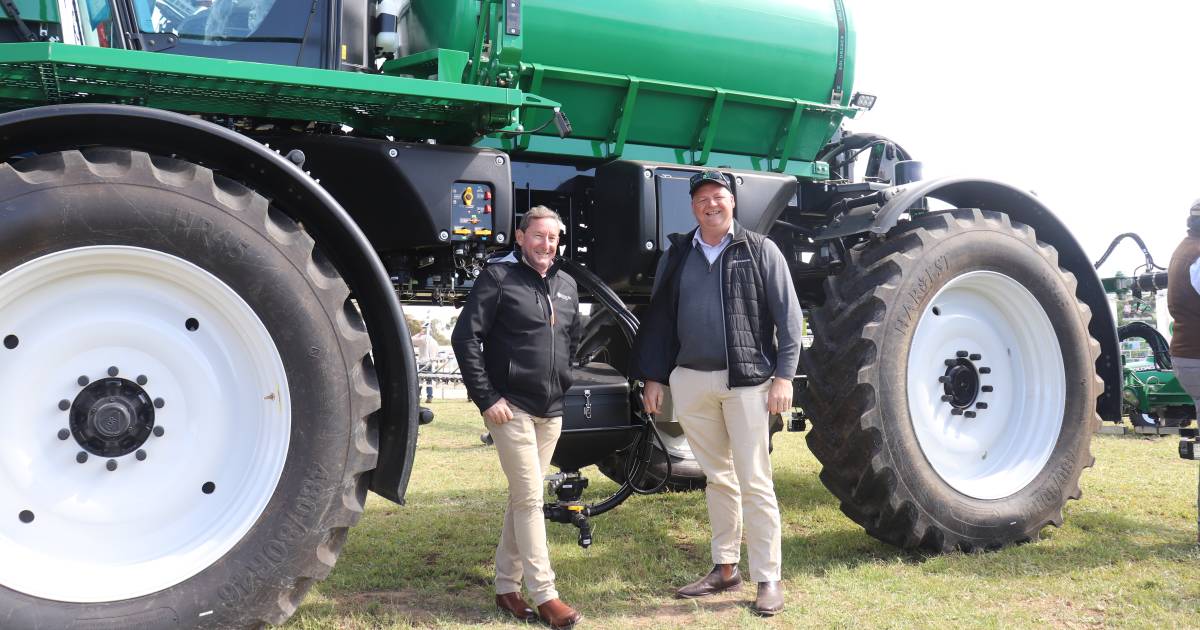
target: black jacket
<point>749,329</point>
<point>516,336</point>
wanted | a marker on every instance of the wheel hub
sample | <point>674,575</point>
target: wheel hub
<point>112,417</point>
<point>962,384</point>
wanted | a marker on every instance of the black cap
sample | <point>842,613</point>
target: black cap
<point>707,177</point>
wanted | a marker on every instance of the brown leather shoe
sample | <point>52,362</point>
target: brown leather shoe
<point>723,577</point>
<point>558,614</point>
<point>512,604</point>
<point>770,599</point>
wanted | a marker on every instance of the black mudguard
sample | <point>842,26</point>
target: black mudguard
<point>1023,206</point>
<point>63,127</point>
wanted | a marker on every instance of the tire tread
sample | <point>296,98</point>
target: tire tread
<point>841,398</point>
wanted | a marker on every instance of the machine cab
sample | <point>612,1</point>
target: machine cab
<point>306,33</point>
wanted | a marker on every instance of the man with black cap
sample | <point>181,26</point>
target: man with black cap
<point>723,277</point>
<point>1183,302</point>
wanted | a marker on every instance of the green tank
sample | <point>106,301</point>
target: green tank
<point>752,78</point>
<point>784,48</point>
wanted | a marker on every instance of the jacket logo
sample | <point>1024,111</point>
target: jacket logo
<point>561,296</point>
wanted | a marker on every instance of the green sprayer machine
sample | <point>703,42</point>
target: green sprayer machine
<point>1152,398</point>
<point>212,212</point>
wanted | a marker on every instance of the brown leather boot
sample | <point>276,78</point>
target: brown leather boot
<point>770,599</point>
<point>723,577</point>
<point>512,604</point>
<point>559,615</point>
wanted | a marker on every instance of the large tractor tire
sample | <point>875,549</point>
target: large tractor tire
<point>189,416</point>
<point>952,384</point>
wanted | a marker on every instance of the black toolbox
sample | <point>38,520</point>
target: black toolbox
<point>598,398</point>
<point>596,417</point>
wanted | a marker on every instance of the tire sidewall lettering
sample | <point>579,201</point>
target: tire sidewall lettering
<point>137,210</point>
<point>945,258</point>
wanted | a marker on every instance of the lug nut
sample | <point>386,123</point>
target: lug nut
<point>82,380</point>
<point>159,431</point>
<point>64,404</point>
<point>113,371</point>
<point>81,456</point>
<point>943,379</point>
<point>985,370</point>
<point>140,455</point>
<point>986,388</point>
<point>111,465</point>
<point>962,354</point>
<point>956,412</point>
<point>951,362</point>
<point>947,398</point>
<point>141,379</point>
<point>159,402</point>
<point>976,357</point>
<point>981,405</point>
<point>63,434</point>
<point>969,414</point>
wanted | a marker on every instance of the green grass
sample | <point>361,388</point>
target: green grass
<point>1126,557</point>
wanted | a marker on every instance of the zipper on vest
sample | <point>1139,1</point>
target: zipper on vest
<point>724,326</point>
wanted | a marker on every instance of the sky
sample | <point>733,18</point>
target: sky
<point>1095,106</point>
<point>1092,105</point>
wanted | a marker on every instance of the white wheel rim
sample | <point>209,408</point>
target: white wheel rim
<point>1006,445</point>
<point>97,535</point>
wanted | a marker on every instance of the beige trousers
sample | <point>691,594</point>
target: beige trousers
<point>729,432</point>
<point>525,445</point>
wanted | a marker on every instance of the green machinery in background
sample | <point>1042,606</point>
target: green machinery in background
<point>1151,395</point>
<point>212,211</point>
<point>1155,398</point>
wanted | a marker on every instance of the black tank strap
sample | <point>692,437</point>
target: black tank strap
<point>835,97</point>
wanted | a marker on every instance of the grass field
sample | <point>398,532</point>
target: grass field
<point>1126,557</point>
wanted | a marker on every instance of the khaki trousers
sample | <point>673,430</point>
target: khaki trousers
<point>729,432</point>
<point>525,445</point>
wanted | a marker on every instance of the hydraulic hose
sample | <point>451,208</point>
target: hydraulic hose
<point>642,451</point>
<point>1150,264</point>
<point>1158,344</point>
<point>855,144</point>
<point>627,322</point>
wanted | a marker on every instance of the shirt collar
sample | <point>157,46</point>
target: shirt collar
<point>696,240</point>
<point>520,258</point>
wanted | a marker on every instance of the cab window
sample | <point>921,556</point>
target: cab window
<point>96,23</point>
<point>267,31</point>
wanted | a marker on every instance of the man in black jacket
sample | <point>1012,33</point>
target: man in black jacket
<point>723,277</point>
<point>514,340</point>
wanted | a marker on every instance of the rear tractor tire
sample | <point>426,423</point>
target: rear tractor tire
<point>189,418</point>
<point>952,384</point>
